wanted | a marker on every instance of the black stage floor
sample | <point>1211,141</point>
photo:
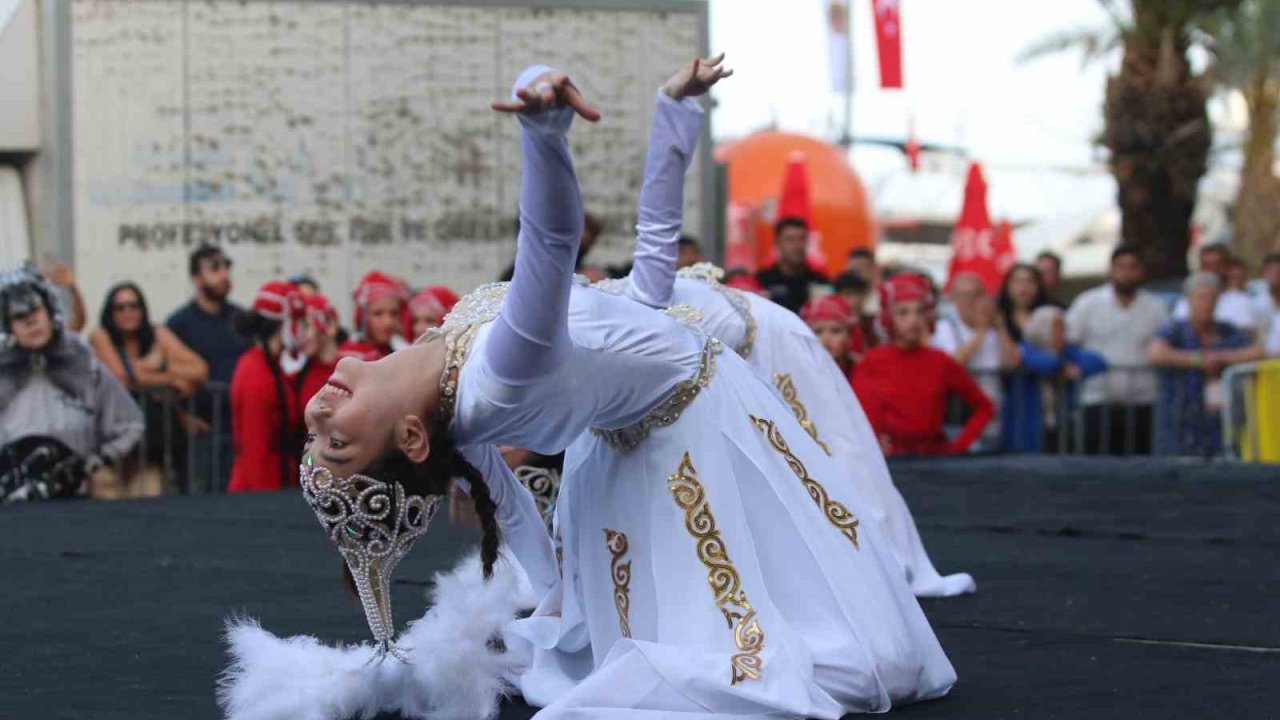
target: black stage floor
<point>1107,589</point>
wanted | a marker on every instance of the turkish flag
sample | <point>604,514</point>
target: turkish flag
<point>888,42</point>
<point>976,247</point>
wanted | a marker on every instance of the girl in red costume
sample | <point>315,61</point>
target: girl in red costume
<point>382,320</point>
<point>904,385</point>
<point>266,418</point>
<point>429,307</point>
<point>321,347</point>
<point>829,319</point>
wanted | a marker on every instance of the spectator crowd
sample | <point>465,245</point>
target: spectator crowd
<point>1120,370</point>
<point>212,399</point>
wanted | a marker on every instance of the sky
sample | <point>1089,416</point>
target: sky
<point>963,83</point>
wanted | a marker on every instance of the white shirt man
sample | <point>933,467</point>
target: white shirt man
<point>1099,321</point>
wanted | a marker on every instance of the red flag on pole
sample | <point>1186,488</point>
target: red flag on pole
<point>912,147</point>
<point>888,42</point>
<point>977,247</point>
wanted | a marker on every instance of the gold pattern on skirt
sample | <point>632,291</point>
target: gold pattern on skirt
<point>836,513</point>
<point>621,573</point>
<point>721,573</point>
<point>782,381</point>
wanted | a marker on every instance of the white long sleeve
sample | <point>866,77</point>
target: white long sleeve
<point>673,139</point>
<point>530,337</point>
<point>521,525</point>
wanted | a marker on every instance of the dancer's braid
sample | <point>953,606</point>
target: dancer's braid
<point>485,507</point>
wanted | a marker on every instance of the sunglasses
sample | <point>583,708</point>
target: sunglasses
<point>128,305</point>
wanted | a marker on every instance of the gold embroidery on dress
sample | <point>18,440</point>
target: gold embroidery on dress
<point>783,382</point>
<point>685,313</point>
<point>835,512</point>
<point>669,409</point>
<point>721,573</point>
<point>460,326</point>
<point>621,574</point>
<point>708,273</point>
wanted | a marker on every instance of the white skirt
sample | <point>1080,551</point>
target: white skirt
<point>711,571</point>
<point>824,395</point>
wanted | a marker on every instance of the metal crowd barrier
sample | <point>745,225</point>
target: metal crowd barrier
<point>1251,411</point>
<point>1122,411</point>
<point>186,445</point>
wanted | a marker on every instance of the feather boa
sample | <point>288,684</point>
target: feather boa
<point>454,673</point>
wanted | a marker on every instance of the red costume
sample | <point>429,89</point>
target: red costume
<point>317,372</point>
<point>266,420</point>
<point>904,391</point>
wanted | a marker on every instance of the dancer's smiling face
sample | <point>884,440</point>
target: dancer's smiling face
<point>370,408</point>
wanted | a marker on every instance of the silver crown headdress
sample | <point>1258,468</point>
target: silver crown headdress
<point>374,524</point>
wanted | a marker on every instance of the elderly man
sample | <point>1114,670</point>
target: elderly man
<point>1193,352</point>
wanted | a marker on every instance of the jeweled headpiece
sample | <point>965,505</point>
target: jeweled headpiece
<point>374,524</point>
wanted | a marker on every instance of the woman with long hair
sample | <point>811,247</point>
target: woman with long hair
<point>266,423</point>
<point>1022,415</point>
<point>706,568</point>
<point>150,360</point>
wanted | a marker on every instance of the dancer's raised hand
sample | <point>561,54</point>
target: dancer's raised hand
<point>696,78</point>
<point>548,90</point>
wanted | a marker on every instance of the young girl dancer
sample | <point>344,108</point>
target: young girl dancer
<point>707,570</point>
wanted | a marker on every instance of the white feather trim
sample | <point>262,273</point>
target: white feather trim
<point>454,672</point>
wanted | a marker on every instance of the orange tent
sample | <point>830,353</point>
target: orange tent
<point>841,213</point>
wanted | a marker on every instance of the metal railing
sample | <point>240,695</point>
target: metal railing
<point>1122,411</point>
<point>186,446</point>
<point>1251,411</point>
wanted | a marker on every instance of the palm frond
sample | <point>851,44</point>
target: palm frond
<point>1093,42</point>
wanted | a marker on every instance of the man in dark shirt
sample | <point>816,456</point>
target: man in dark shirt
<point>205,326</point>
<point>787,283</point>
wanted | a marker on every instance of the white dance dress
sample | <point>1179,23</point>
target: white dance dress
<point>773,340</point>
<point>708,569</point>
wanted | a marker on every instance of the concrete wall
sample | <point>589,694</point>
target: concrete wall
<point>336,137</point>
<point>19,76</point>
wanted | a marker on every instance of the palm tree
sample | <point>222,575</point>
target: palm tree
<point>1247,51</point>
<point>1154,119</point>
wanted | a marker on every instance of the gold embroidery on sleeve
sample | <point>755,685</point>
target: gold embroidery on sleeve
<point>721,573</point>
<point>621,574</point>
<point>783,382</point>
<point>835,512</point>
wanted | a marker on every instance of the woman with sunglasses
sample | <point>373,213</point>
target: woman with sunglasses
<point>155,365</point>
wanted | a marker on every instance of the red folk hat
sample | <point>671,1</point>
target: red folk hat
<point>903,287</point>
<point>830,308</point>
<point>376,286</point>
<point>279,300</point>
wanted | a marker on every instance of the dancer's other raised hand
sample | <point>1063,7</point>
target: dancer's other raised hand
<point>696,77</point>
<point>548,90</point>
